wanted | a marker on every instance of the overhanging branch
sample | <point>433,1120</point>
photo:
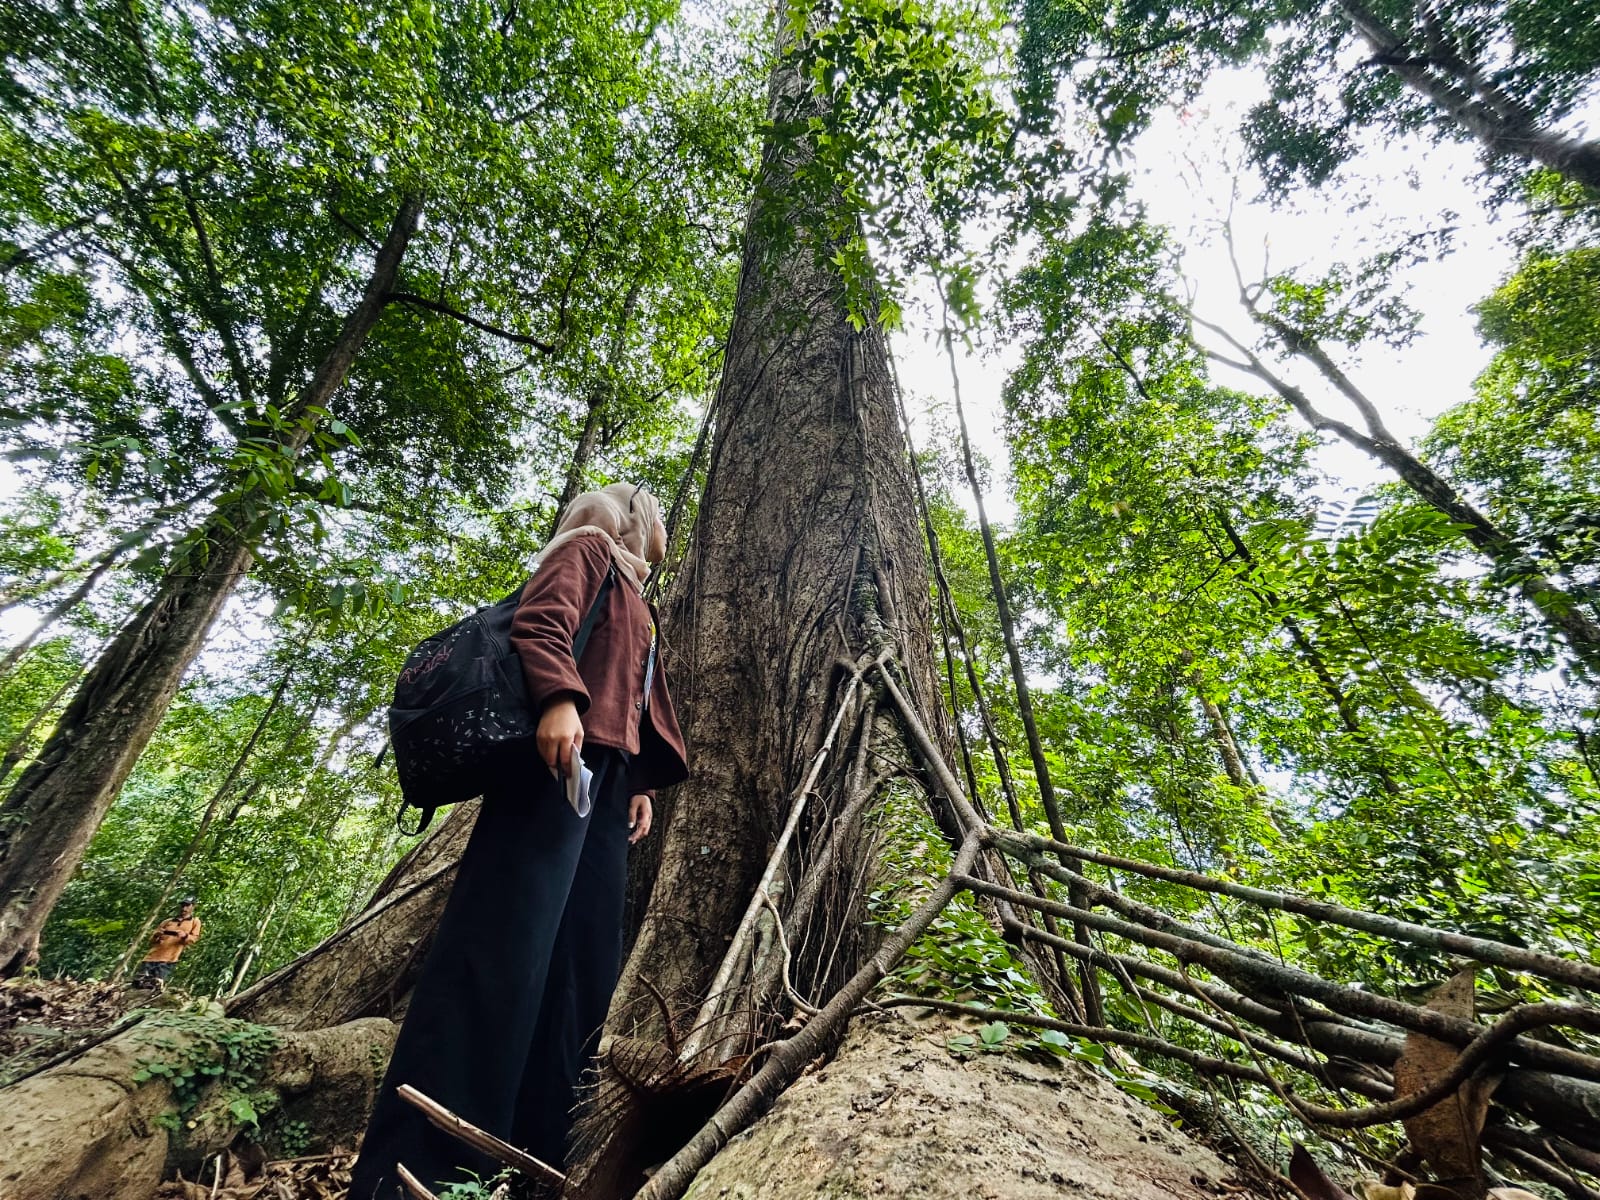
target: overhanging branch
<point>444,310</point>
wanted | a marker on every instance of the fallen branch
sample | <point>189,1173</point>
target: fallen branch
<point>1546,1172</point>
<point>413,1185</point>
<point>463,1131</point>
<point>1274,977</point>
<point>1518,1020</point>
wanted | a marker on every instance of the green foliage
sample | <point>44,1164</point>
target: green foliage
<point>1528,443</point>
<point>476,1188</point>
<point>903,141</point>
<point>228,171</point>
<point>291,1137</point>
<point>1331,92</point>
<point>207,1054</point>
<point>190,200</point>
<point>1235,669</point>
<point>961,957</point>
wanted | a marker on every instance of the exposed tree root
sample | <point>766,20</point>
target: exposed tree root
<point>88,1128</point>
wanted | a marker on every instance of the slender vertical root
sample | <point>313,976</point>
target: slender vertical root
<point>790,1058</point>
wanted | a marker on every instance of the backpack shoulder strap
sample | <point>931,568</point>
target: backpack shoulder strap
<point>424,818</point>
<point>584,630</point>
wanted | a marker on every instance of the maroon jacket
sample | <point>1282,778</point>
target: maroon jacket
<point>608,685</point>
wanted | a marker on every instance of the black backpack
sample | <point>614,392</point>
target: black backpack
<point>461,719</point>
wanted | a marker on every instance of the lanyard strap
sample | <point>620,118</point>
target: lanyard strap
<point>650,666</point>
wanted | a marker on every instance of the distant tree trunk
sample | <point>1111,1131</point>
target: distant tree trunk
<point>19,744</point>
<point>582,453</point>
<point>210,815</point>
<point>382,836</point>
<point>1222,737</point>
<point>367,968</point>
<point>1089,986</point>
<point>600,396</point>
<point>1464,93</point>
<point>67,603</point>
<point>261,943</point>
<point>1274,606</point>
<point>252,947</point>
<point>50,815</point>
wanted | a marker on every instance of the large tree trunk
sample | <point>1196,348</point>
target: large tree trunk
<point>59,801</point>
<point>805,547</point>
<point>57,804</point>
<point>806,554</point>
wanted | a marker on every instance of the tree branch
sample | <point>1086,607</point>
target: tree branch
<point>214,305</point>
<point>1033,850</point>
<point>1297,399</point>
<point>1299,342</point>
<point>434,306</point>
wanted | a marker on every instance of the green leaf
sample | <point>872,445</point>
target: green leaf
<point>994,1033</point>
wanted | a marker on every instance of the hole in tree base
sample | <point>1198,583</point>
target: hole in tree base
<point>642,1108</point>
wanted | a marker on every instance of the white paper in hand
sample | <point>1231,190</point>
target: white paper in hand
<point>578,784</point>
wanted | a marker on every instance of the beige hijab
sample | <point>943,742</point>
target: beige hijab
<point>625,515</point>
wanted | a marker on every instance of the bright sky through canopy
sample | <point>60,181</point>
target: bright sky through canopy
<point>1186,169</point>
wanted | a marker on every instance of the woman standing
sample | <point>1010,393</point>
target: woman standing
<point>509,1004</point>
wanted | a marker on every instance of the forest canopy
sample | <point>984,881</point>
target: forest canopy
<point>314,316</point>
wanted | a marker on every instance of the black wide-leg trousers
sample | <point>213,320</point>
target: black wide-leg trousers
<point>509,1004</point>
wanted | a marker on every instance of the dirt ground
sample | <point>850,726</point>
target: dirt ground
<point>41,1019</point>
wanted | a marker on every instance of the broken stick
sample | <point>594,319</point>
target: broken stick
<point>413,1185</point>
<point>478,1139</point>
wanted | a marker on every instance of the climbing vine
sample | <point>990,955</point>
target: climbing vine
<point>200,1050</point>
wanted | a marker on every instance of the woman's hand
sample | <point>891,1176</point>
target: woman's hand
<point>639,814</point>
<point>560,735</point>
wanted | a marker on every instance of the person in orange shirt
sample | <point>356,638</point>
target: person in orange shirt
<point>167,944</point>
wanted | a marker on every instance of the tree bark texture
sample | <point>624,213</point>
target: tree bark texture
<point>806,535</point>
<point>58,802</point>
